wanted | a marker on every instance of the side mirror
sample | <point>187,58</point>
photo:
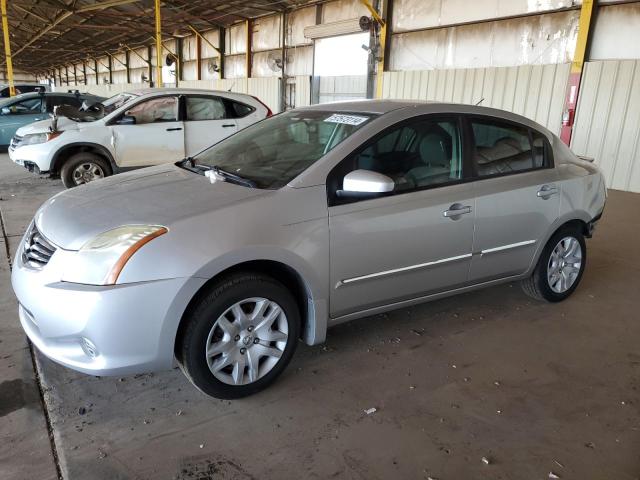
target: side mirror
<point>365,183</point>
<point>5,111</point>
<point>126,120</point>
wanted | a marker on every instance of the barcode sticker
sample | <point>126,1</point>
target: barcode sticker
<point>346,119</point>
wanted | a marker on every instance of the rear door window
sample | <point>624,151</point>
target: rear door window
<point>503,148</point>
<point>205,108</point>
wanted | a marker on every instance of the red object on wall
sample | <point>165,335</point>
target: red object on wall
<point>568,116</point>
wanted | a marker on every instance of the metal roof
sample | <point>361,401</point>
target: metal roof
<point>49,33</point>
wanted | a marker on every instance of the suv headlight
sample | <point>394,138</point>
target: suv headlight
<point>100,261</point>
<point>35,138</point>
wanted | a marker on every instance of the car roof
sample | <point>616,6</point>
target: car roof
<point>48,94</point>
<point>169,91</point>
<point>382,107</point>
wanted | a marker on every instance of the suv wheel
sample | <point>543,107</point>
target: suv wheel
<point>83,167</point>
<point>560,267</point>
<point>239,336</point>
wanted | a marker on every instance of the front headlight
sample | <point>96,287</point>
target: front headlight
<point>100,261</point>
<point>37,138</point>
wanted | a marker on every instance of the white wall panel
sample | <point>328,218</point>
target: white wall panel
<point>607,125</point>
<point>342,10</point>
<point>213,37</point>
<point>537,40</point>
<point>303,91</point>
<point>617,33</point>
<point>296,22</point>
<point>416,14</point>
<point>300,60</point>
<point>236,39</point>
<point>535,91</point>
<point>267,33</point>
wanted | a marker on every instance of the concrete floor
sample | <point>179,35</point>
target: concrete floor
<point>535,388</point>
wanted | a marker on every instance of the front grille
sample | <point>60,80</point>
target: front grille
<point>15,142</point>
<point>37,250</point>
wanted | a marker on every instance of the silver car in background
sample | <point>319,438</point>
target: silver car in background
<point>302,221</point>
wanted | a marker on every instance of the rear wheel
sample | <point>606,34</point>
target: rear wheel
<point>560,266</point>
<point>83,167</point>
<point>240,336</point>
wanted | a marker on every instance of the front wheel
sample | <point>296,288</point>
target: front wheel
<point>239,336</point>
<point>560,266</point>
<point>83,167</point>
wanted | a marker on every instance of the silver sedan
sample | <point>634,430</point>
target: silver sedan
<point>223,261</point>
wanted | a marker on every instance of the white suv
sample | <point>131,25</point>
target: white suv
<point>153,126</point>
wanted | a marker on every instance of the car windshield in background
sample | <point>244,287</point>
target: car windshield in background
<point>273,152</point>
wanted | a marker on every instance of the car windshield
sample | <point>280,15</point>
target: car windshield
<point>274,151</point>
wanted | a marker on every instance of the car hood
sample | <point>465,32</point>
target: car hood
<point>44,126</point>
<point>159,195</point>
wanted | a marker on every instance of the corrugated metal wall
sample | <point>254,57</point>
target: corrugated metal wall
<point>535,91</point>
<point>344,87</point>
<point>607,125</point>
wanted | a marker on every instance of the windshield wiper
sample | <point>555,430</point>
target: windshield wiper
<point>231,176</point>
<point>189,163</point>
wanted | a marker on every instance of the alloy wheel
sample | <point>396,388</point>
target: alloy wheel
<point>564,264</point>
<point>87,172</point>
<point>247,341</point>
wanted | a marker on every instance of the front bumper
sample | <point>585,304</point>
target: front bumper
<point>34,158</point>
<point>101,330</point>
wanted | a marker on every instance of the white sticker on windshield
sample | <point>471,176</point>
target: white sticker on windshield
<point>346,119</point>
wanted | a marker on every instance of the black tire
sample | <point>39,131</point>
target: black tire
<point>74,161</point>
<point>200,320</point>
<point>537,285</point>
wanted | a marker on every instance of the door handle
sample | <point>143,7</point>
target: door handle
<point>174,129</point>
<point>456,210</point>
<point>547,191</point>
<point>227,125</point>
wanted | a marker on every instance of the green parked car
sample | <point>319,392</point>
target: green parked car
<point>27,108</point>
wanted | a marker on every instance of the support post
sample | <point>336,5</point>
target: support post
<point>198,57</point>
<point>127,59</point>
<point>7,48</point>
<point>84,71</point>
<point>283,82</point>
<point>95,69</point>
<point>585,24</point>
<point>247,68</point>
<point>158,45</point>
<point>75,75</point>
<point>221,48</point>
<point>150,67</point>
<point>179,60</point>
<point>110,66</point>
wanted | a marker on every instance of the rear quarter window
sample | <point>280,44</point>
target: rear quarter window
<point>238,110</point>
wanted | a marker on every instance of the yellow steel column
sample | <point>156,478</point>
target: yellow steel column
<point>575,76</point>
<point>7,47</point>
<point>158,46</point>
